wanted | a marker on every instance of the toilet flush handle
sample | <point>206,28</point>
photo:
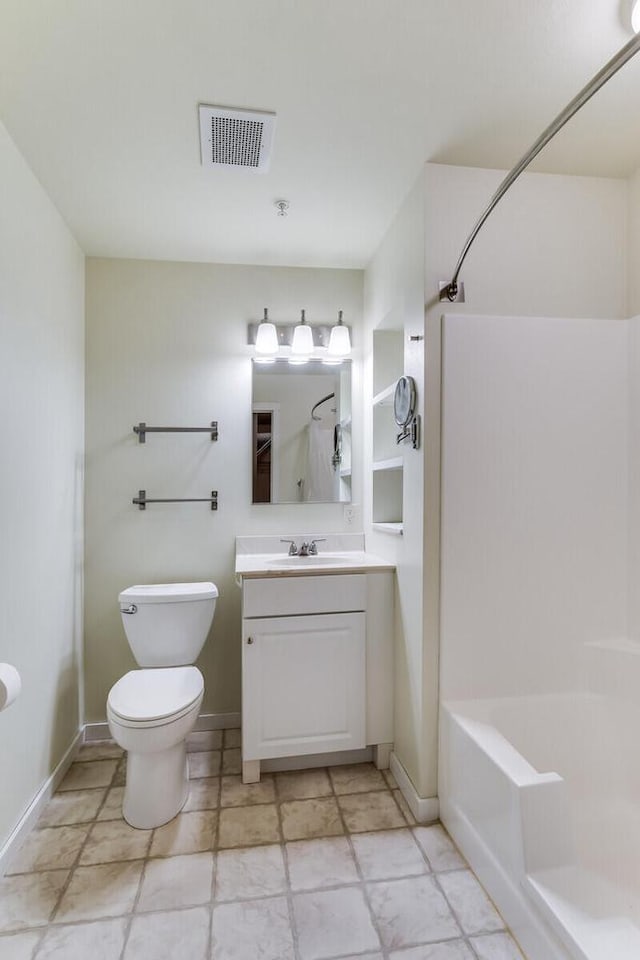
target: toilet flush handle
<point>130,609</point>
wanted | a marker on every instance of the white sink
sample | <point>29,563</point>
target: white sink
<point>324,560</point>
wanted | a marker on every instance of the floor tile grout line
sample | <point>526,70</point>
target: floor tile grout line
<point>214,854</point>
<point>74,866</point>
<point>374,921</point>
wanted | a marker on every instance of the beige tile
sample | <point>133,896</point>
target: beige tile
<point>235,793</point>
<point>99,750</point>
<point>306,819</point>
<point>231,761</point>
<point>331,923</point>
<point>303,784</point>
<point>232,738</point>
<point>404,807</point>
<point>204,794</point>
<point>29,900</point>
<point>452,950</point>
<point>320,863</point>
<point>103,940</point>
<point>475,912</point>
<point>250,872</point>
<point>120,777</point>
<point>107,890</point>
<point>187,833</point>
<point>173,882</point>
<point>254,930</point>
<point>115,840</point>
<point>167,936</point>
<point>386,855</point>
<point>93,773</point>
<point>410,912</point>
<point>205,764</point>
<point>496,946</point>
<point>391,781</point>
<point>439,848</point>
<point>247,826</point>
<point>370,811</point>
<point>19,946</point>
<point>49,849</point>
<point>357,778</point>
<point>112,809</point>
<point>73,806</point>
<point>204,741</point>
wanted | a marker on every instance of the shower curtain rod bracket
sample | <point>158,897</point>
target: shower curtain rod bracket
<point>451,292</point>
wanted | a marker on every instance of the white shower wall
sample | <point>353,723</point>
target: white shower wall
<point>540,659</point>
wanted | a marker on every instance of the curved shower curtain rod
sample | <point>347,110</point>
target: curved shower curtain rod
<point>450,291</point>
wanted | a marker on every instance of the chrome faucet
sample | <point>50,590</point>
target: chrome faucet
<point>293,549</point>
<point>310,549</point>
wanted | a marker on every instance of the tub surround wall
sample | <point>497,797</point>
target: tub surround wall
<point>41,482</point>
<point>166,343</point>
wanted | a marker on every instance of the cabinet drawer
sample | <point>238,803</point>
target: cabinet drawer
<point>291,596</point>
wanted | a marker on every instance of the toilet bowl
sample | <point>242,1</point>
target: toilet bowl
<point>151,711</point>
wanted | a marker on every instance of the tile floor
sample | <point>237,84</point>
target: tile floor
<point>309,865</point>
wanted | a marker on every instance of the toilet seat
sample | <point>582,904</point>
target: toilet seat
<point>150,698</point>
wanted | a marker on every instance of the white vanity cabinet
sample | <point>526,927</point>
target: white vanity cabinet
<point>317,666</point>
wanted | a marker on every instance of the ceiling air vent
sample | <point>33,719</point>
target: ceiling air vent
<point>236,138</point>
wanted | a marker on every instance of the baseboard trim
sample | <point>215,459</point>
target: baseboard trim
<point>424,809</point>
<point>28,819</point>
<point>206,721</point>
<point>537,940</point>
<point>339,758</point>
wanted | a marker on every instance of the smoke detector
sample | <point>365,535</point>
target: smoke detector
<point>236,138</point>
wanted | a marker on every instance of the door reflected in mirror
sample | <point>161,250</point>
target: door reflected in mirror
<point>301,437</point>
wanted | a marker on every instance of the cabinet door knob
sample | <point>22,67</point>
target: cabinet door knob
<point>249,639</point>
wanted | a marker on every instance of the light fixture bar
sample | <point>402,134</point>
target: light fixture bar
<point>321,333</point>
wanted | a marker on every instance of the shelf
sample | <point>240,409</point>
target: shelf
<point>345,473</point>
<point>395,463</point>
<point>394,528</point>
<point>385,397</point>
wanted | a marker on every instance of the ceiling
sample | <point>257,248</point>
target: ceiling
<point>101,98</point>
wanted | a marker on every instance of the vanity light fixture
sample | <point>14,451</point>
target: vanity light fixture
<point>339,341</point>
<point>302,343</point>
<point>266,340</point>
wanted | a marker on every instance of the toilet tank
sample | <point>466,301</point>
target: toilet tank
<point>167,623</point>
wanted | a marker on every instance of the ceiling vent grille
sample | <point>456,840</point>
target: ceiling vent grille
<point>236,138</point>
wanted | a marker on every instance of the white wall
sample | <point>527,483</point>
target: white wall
<point>554,246</point>
<point>166,344</point>
<point>41,414</point>
<point>394,299</point>
<point>534,501</point>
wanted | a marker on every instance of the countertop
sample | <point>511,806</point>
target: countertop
<point>337,553</point>
<point>332,562</point>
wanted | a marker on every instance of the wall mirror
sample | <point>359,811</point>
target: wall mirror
<point>301,437</point>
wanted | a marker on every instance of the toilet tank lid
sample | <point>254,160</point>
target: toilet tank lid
<point>168,592</point>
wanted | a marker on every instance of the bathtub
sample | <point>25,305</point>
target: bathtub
<point>542,795</point>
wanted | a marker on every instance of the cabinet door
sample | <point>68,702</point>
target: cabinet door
<point>303,685</point>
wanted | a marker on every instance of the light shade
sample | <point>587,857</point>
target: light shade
<point>339,341</point>
<point>635,16</point>
<point>266,337</point>
<point>302,343</point>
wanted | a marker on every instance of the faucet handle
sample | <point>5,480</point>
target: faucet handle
<point>313,550</point>
<point>293,549</point>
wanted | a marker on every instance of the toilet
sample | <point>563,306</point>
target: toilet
<point>151,711</point>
